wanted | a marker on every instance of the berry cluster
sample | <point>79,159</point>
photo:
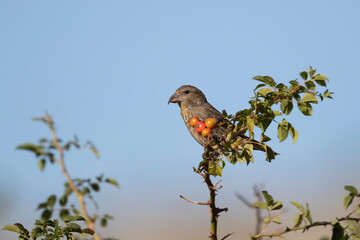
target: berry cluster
<point>202,127</point>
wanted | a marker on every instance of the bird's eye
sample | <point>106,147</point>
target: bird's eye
<point>186,91</point>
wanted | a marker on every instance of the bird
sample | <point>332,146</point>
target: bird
<point>193,103</point>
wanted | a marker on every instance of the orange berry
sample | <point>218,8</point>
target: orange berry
<point>210,122</point>
<point>199,126</point>
<point>193,121</point>
<point>205,132</point>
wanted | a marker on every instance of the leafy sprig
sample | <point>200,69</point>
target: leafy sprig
<point>261,114</point>
<point>52,151</point>
<point>303,220</point>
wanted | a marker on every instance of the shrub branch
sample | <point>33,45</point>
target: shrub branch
<point>61,162</point>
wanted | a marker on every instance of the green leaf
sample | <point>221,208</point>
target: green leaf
<point>73,227</point>
<point>276,220</point>
<point>63,200</point>
<point>269,199</point>
<point>269,153</point>
<point>264,124</point>
<point>42,205</point>
<point>298,219</point>
<point>277,205</point>
<point>286,107</point>
<point>321,83</point>
<point>264,91</point>
<point>304,75</point>
<point>298,205</point>
<point>294,82</point>
<point>310,85</point>
<point>51,200</point>
<point>261,205</point>
<point>68,145</point>
<point>85,191</point>
<point>69,218</point>
<point>294,134</point>
<point>335,222</point>
<point>79,218</point>
<point>64,214</point>
<point>338,232</point>
<point>281,88</point>
<point>38,150</point>
<point>12,228</point>
<point>297,97</point>
<point>41,164</point>
<point>250,124</point>
<point>307,213</point>
<point>95,151</point>
<point>311,71</point>
<point>74,218</point>
<point>320,77</point>
<point>46,214</point>
<point>108,217</point>
<point>266,79</point>
<point>249,147</point>
<point>267,220</point>
<point>328,94</point>
<point>215,168</point>
<point>352,189</point>
<point>282,132</point>
<point>260,85</point>
<point>309,98</point>
<point>103,222</point>
<point>277,113</point>
<point>38,223</point>
<point>112,181</point>
<point>348,200</point>
<point>95,187</point>
<point>37,232</point>
<point>305,108</point>
<point>264,138</point>
<point>351,228</point>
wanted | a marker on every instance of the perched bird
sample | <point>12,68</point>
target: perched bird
<point>193,103</point>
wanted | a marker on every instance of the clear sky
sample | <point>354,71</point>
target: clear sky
<point>105,70</point>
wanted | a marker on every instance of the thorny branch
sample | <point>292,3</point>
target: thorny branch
<point>213,210</point>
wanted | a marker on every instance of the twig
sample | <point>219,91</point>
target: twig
<point>213,210</point>
<point>217,183</point>
<point>244,200</point>
<point>306,227</point>
<point>258,195</point>
<point>79,196</point>
<point>195,202</point>
<point>198,172</point>
<point>227,235</point>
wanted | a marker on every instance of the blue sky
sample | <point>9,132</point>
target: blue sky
<point>105,70</point>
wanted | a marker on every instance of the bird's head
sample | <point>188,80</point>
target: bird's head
<point>188,95</point>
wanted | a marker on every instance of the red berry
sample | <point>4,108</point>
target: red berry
<point>193,121</point>
<point>205,132</point>
<point>199,126</point>
<point>210,122</point>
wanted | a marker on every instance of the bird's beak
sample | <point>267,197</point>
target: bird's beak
<point>174,99</point>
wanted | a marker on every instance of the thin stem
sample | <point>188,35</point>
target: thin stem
<point>213,210</point>
<point>212,207</point>
<point>194,202</point>
<point>306,227</point>
<point>266,226</point>
<point>79,196</point>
